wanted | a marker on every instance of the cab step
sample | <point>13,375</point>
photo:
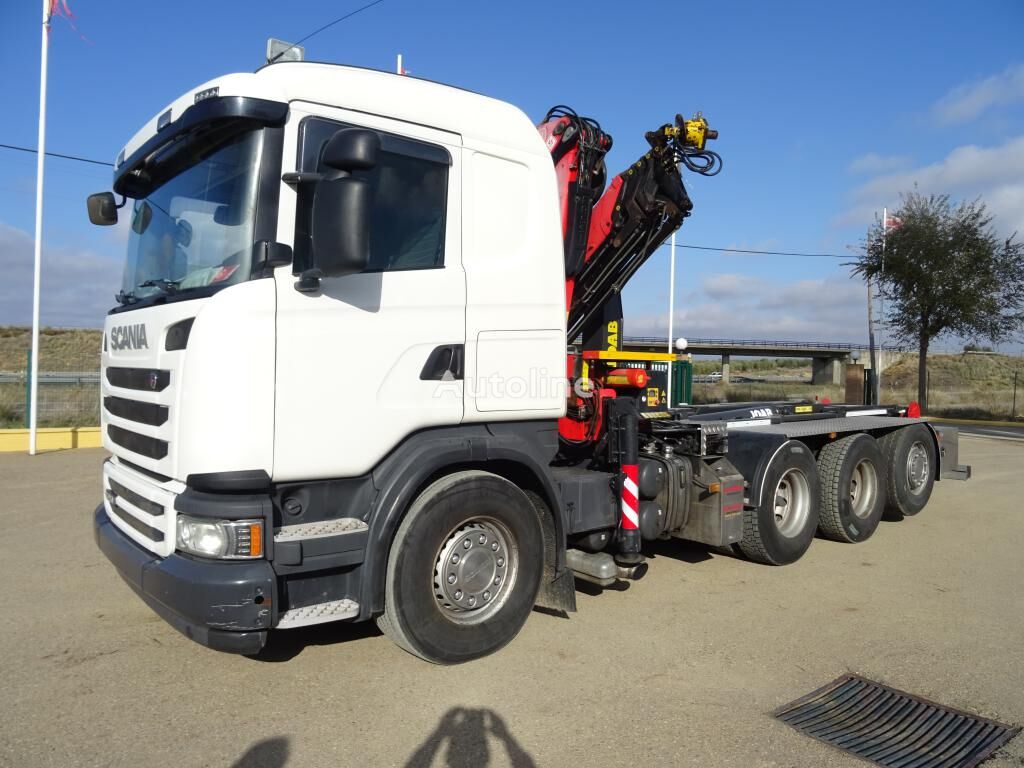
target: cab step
<point>319,530</point>
<point>321,613</point>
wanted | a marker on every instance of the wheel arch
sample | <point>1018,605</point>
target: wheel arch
<point>411,469</point>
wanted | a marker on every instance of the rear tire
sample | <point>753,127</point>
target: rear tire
<point>780,529</point>
<point>910,463</point>
<point>464,569</point>
<point>853,483</point>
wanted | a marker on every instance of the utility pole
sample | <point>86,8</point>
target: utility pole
<point>875,388</point>
<point>671,311</point>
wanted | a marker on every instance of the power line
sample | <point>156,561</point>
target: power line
<point>325,26</point>
<point>57,154</point>
<point>678,245</point>
<point>764,253</point>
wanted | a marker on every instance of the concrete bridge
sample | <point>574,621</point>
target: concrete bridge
<point>827,358</point>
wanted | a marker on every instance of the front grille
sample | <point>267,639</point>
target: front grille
<point>151,447</point>
<point>130,520</point>
<point>140,501</point>
<point>146,379</point>
<point>141,509</point>
<point>133,410</point>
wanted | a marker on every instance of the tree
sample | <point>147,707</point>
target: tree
<point>945,272</point>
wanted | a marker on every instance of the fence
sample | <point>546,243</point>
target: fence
<point>69,378</point>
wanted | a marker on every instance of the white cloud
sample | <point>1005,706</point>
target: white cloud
<point>742,307</point>
<point>77,286</point>
<point>728,286</point>
<point>968,101</point>
<point>996,174</point>
<point>873,163</point>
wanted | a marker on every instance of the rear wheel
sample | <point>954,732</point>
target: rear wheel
<point>910,461</point>
<point>464,569</point>
<point>780,529</point>
<point>853,476</point>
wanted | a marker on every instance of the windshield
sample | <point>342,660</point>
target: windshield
<point>196,229</point>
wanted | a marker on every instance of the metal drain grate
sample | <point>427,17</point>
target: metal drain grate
<point>892,728</point>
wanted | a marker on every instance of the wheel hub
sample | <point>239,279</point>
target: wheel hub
<point>792,503</point>
<point>473,570</point>
<point>863,489</point>
<point>917,468</point>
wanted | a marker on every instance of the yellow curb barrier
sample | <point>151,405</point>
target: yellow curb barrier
<point>51,439</point>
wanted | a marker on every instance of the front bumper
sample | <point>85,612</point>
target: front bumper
<point>225,606</point>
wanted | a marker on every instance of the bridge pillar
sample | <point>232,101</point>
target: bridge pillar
<point>826,370</point>
<point>725,369</point>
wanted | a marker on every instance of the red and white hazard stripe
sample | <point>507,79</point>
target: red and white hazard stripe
<point>630,497</point>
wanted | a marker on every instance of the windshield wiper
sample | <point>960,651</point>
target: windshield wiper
<point>125,298</point>
<point>169,286</point>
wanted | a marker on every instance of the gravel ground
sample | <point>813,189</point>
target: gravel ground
<point>681,668</point>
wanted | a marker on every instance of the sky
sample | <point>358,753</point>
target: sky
<point>826,113</point>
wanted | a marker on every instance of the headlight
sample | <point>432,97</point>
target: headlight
<point>225,539</point>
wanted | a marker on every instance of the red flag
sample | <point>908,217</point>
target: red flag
<point>60,8</point>
<point>893,222</point>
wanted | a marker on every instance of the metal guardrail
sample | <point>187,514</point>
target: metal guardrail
<point>52,377</point>
<point>761,343</point>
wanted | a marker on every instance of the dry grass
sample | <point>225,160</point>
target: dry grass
<point>961,386</point>
<point>60,349</point>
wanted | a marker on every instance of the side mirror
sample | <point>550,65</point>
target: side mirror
<point>102,209</point>
<point>351,149</point>
<point>340,227</point>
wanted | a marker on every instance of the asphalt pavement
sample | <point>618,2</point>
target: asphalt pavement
<point>682,668</point>
<point>981,429</point>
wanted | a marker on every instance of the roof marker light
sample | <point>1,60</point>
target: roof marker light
<point>209,93</point>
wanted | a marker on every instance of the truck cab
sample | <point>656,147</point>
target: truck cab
<point>230,369</point>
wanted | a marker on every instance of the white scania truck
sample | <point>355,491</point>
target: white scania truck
<point>364,364</point>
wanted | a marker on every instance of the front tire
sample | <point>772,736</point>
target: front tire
<point>464,569</point>
<point>910,460</point>
<point>853,482</point>
<point>780,529</point>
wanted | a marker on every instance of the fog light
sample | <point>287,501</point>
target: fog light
<point>224,539</point>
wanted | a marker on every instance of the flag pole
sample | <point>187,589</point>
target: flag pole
<point>398,66</point>
<point>40,158</point>
<point>671,308</point>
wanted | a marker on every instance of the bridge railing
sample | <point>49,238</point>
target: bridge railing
<point>765,343</point>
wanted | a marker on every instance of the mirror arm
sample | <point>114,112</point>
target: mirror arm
<point>296,178</point>
<point>309,281</point>
<point>124,200</point>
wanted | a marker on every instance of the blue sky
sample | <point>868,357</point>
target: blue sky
<point>826,112</point>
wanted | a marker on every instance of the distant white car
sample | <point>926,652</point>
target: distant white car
<point>716,376</point>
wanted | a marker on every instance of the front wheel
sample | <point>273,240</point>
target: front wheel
<point>464,569</point>
<point>780,529</point>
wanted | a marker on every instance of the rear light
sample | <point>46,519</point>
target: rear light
<point>914,411</point>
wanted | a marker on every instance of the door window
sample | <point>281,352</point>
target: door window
<point>409,188</point>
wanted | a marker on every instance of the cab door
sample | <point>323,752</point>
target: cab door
<point>373,356</point>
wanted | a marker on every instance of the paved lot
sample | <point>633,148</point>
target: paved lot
<point>999,431</point>
<point>680,669</point>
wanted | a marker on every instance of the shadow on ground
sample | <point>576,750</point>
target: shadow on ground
<point>286,644</point>
<point>466,736</point>
<point>268,753</point>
